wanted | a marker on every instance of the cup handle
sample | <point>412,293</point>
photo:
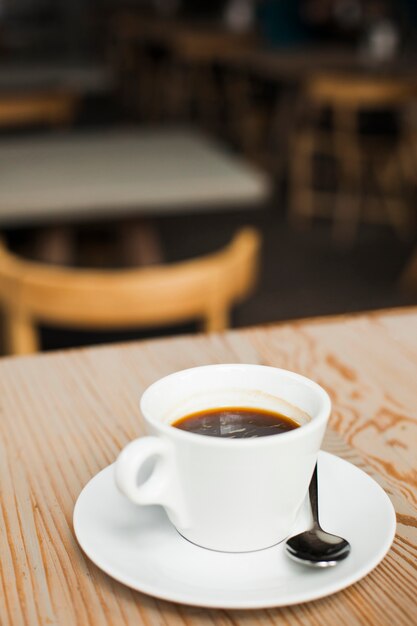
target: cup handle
<point>162,486</point>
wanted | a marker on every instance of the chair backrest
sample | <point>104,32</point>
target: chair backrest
<point>205,45</point>
<point>203,288</point>
<point>350,91</point>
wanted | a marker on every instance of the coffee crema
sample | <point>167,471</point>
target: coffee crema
<point>236,423</point>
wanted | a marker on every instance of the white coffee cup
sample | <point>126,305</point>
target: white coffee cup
<point>233,495</point>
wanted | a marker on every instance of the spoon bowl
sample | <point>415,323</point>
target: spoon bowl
<point>315,547</point>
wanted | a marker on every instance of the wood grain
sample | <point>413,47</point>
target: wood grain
<point>65,416</point>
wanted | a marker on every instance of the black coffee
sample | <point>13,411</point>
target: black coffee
<point>236,423</point>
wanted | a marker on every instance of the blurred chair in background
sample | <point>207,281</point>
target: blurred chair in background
<point>169,69</point>
<point>203,288</point>
<point>46,108</point>
<point>371,170</point>
<point>197,56</point>
<point>250,108</point>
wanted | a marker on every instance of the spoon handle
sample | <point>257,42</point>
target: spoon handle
<point>314,499</point>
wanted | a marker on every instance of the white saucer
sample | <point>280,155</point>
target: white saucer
<point>139,547</point>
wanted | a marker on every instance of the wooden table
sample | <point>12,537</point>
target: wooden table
<point>65,416</point>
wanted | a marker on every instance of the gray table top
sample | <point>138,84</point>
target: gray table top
<point>74,176</point>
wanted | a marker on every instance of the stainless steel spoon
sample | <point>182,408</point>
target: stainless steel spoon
<point>315,547</point>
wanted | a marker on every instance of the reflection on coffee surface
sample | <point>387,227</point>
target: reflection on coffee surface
<point>236,423</point>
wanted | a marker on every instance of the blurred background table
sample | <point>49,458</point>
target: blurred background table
<point>66,416</point>
<point>146,172</point>
<point>68,178</point>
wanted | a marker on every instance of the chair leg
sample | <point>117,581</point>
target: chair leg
<point>141,244</point>
<point>348,204</point>
<point>346,219</point>
<point>55,245</point>
<point>217,320</point>
<point>408,278</point>
<point>301,182</point>
<point>285,117</point>
<point>391,184</point>
<point>348,156</point>
<point>20,334</point>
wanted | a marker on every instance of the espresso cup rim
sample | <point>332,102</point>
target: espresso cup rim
<point>302,431</point>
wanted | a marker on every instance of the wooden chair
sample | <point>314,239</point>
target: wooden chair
<point>360,162</point>
<point>202,288</point>
<point>197,53</point>
<point>47,107</point>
